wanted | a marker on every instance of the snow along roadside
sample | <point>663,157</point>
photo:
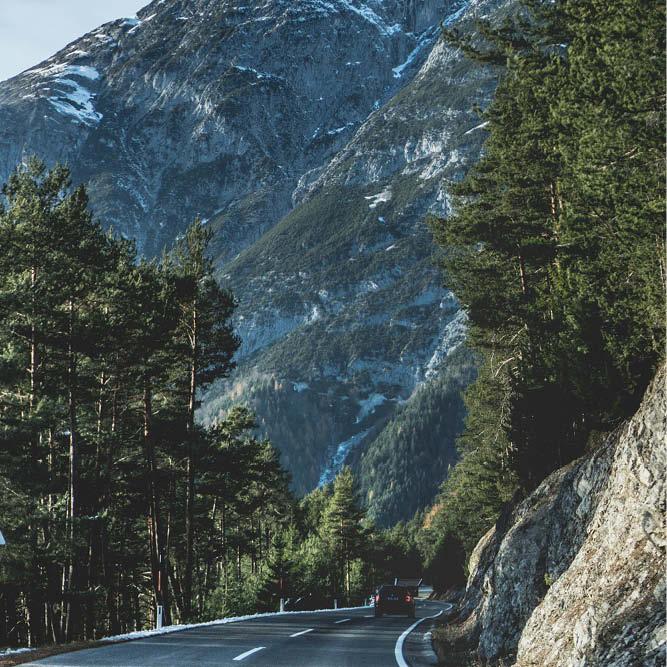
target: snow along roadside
<point>140,634</point>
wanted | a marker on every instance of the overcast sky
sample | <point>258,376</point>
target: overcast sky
<point>33,30</point>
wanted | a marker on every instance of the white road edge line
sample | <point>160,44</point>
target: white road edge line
<point>243,656</point>
<point>398,651</point>
<point>303,632</point>
<point>343,620</point>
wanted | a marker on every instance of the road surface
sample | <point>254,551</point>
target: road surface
<point>341,638</point>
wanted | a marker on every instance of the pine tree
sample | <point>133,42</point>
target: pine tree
<point>207,344</point>
<point>342,524</point>
<point>612,118</point>
<point>279,575</point>
<point>557,247</point>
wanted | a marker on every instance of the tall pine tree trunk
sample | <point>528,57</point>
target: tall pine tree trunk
<point>348,575</point>
<point>190,492</point>
<point>34,601</point>
<point>223,537</point>
<point>156,540</point>
<point>74,589</point>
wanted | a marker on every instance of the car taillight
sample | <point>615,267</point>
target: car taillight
<point>408,598</point>
<point>377,598</point>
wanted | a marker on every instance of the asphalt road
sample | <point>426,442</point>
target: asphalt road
<point>341,638</point>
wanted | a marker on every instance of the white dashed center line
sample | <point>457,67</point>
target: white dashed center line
<point>344,620</point>
<point>303,632</point>
<point>243,656</point>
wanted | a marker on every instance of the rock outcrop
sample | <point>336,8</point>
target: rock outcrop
<point>574,576</point>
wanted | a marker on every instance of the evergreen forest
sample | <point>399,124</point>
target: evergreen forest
<point>556,249</point>
<point>115,499</point>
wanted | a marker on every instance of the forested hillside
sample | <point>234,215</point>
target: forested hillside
<point>557,247</point>
<point>397,473</point>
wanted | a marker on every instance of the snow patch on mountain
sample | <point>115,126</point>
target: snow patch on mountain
<point>453,18</point>
<point>426,40</point>
<point>77,101</point>
<point>379,198</point>
<point>338,130</point>
<point>367,407</point>
<point>138,24</point>
<point>83,70</point>
<point>369,15</point>
<point>478,127</point>
<point>338,459</point>
<point>259,75</point>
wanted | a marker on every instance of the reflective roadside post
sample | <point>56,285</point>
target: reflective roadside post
<point>160,608</point>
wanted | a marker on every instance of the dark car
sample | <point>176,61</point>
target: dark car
<point>394,600</point>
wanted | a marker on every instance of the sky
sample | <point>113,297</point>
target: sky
<point>33,30</point>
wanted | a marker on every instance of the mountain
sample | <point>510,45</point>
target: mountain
<point>313,137</point>
<point>206,108</point>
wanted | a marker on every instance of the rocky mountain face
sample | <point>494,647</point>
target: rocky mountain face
<point>575,574</point>
<point>200,107</point>
<point>313,137</point>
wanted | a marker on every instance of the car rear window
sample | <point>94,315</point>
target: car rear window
<point>393,589</point>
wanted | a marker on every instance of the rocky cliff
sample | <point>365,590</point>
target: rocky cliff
<point>574,576</point>
<point>313,137</point>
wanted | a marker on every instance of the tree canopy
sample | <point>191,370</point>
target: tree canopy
<point>557,246</point>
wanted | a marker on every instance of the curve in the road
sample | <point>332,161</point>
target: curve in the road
<point>349,640</point>
<point>398,651</point>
